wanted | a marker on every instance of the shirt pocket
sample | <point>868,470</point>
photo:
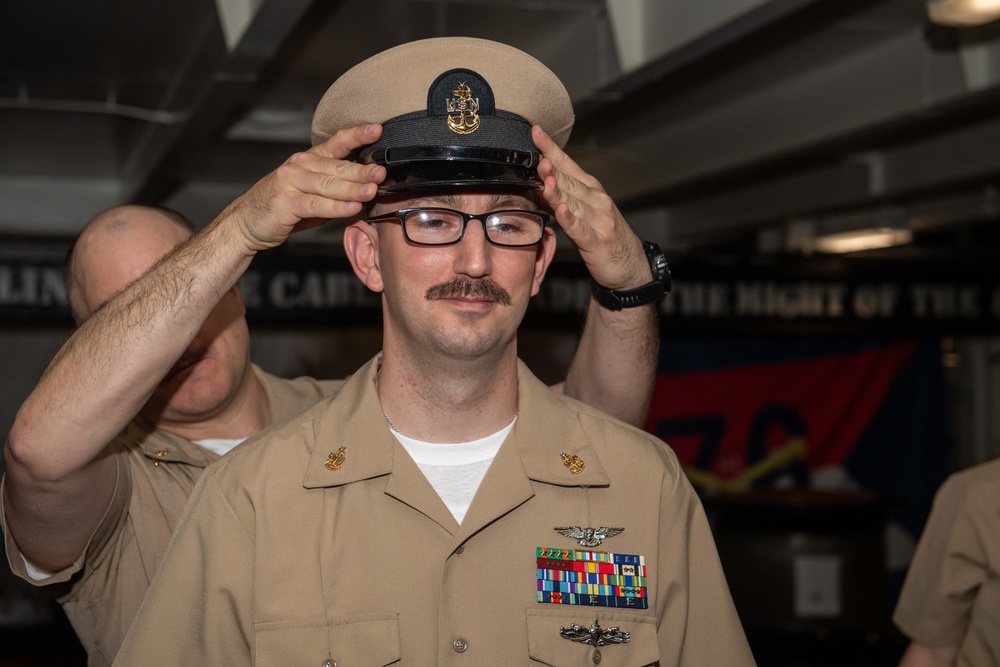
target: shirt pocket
<point>547,646</point>
<point>372,639</point>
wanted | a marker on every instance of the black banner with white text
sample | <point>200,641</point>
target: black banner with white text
<point>711,295</point>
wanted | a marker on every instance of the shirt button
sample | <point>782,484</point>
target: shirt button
<point>460,645</point>
<point>329,662</point>
<point>460,549</point>
<point>597,657</point>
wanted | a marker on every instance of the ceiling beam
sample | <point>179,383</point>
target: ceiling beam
<point>224,96</point>
<point>715,217</point>
<point>911,178</point>
<point>713,131</point>
<point>621,95</point>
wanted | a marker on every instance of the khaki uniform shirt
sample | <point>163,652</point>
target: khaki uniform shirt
<point>951,596</point>
<point>322,540</point>
<point>156,473</point>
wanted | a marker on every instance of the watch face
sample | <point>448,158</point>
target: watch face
<point>657,261</point>
<point>660,269</point>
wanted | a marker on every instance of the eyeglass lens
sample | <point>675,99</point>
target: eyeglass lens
<point>436,227</point>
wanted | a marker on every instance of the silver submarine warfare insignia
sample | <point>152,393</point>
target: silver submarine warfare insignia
<point>594,635</point>
<point>588,537</point>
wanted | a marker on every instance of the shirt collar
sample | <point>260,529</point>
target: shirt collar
<point>547,428</point>
<point>354,421</point>
<point>160,445</point>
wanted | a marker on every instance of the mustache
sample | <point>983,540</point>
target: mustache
<point>484,288</point>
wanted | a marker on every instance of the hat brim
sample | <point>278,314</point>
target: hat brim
<point>465,184</point>
<point>424,168</point>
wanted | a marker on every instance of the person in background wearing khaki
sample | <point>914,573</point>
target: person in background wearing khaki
<point>445,507</point>
<point>950,603</point>
<point>92,492</point>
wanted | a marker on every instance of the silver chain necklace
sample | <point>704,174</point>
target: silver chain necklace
<point>387,420</point>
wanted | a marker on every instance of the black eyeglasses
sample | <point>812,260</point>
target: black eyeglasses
<point>443,226</point>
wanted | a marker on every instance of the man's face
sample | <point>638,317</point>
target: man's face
<point>463,300</point>
<point>202,382</point>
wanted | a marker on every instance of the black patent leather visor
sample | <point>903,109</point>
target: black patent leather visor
<point>455,167</point>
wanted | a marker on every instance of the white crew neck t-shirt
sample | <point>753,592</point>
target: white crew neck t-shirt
<point>455,470</point>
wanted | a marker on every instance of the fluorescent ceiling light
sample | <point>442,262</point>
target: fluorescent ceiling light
<point>963,13</point>
<point>859,239</point>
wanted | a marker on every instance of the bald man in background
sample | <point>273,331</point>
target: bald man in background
<point>157,382</point>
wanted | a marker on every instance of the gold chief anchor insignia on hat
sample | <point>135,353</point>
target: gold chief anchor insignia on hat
<point>466,110</point>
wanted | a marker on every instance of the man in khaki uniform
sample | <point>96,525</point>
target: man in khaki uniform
<point>110,514</point>
<point>445,507</point>
<point>92,492</point>
<point>950,603</point>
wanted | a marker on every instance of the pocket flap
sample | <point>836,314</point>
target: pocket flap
<point>360,640</point>
<point>546,644</point>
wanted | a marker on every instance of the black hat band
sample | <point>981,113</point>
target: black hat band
<point>506,131</point>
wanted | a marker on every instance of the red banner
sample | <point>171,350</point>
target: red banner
<point>734,427</point>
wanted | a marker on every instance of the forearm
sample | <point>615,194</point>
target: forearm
<point>615,364</point>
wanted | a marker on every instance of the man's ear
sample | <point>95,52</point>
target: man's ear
<point>361,245</point>
<point>546,250</point>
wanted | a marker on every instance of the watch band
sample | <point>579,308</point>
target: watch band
<point>652,292</point>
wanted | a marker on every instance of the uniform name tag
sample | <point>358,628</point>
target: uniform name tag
<point>591,578</point>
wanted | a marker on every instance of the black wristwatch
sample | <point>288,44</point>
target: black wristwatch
<point>652,292</point>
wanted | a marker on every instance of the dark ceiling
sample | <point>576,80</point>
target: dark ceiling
<point>731,125</point>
